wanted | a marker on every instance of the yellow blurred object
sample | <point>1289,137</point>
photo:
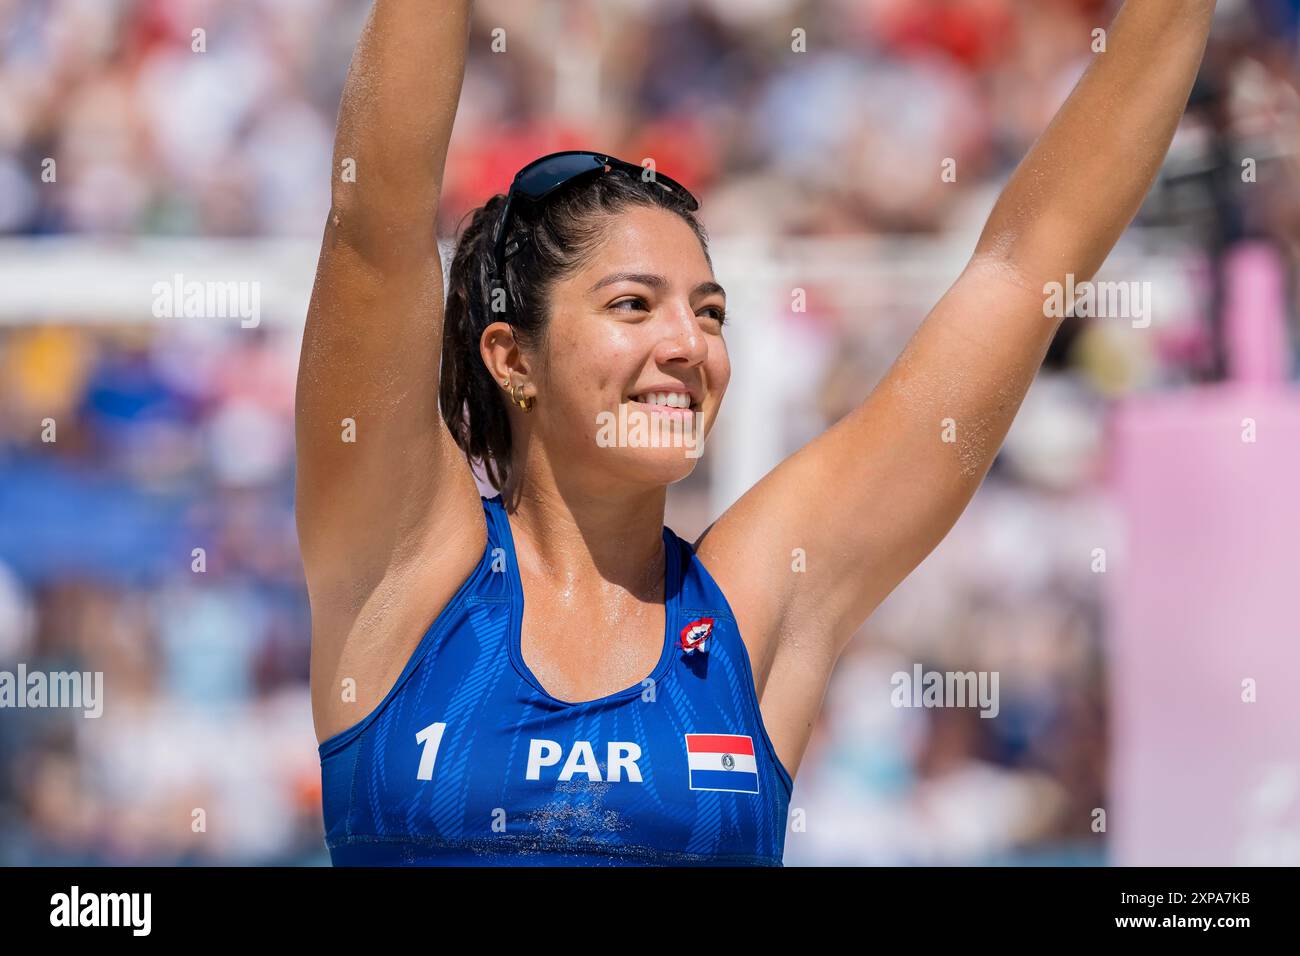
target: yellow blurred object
<point>47,368</point>
<point>1114,364</point>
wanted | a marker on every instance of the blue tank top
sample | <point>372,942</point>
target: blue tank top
<point>469,761</point>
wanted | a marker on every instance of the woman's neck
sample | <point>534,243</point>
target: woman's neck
<point>570,534</point>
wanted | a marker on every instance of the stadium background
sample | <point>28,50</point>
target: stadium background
<point>818,171</point>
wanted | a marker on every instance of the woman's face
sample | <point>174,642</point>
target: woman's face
<point>633,368</point>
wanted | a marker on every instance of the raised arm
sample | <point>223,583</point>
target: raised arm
<point>378,472</point>
<point>871,497</point>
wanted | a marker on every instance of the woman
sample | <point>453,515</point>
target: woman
<point>550,675</point>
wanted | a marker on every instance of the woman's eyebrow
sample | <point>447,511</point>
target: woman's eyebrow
<point>656,282</point>
<point>645,278</point>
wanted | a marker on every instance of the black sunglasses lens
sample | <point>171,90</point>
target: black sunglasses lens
<point>543,177</point>
<point>538,180</point>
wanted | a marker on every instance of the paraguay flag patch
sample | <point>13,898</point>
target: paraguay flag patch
<point>722,762</point>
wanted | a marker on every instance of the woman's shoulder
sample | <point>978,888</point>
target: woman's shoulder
<point>699,589</point>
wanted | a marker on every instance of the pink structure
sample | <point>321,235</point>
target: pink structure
<point>1204,595</point>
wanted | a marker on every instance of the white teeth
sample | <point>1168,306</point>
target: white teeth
<point>671,399</point>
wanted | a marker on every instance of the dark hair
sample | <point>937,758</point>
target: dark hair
<point>556,236</point>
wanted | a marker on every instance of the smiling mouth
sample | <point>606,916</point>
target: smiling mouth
<point>665,403</point>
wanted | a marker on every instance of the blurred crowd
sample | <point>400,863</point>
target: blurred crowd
<point>146,532</point>
<point>153,539</point>
<point>815,117</point>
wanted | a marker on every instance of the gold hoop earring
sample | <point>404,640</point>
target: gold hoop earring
<point>519,398</point>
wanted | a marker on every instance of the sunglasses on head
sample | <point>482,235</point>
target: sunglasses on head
<point>542,177</point>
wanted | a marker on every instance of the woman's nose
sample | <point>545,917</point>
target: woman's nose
<point>683,340</point>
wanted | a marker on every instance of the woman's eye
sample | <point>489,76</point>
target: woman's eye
<point>638,304</point>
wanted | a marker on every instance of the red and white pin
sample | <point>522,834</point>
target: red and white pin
<point>695,636</point>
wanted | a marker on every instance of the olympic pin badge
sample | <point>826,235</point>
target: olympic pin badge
<point>695,636</point>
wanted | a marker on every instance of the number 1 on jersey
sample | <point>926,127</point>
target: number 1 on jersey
<point>431,737</point>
